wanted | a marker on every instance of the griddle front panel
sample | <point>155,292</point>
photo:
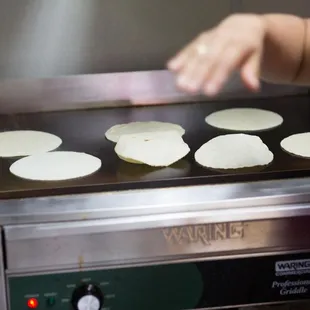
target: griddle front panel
<point>185,286</point>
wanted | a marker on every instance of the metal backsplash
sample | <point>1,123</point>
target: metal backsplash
<point>41,38</point>
<point>44,38</point>
<point>41,41</point>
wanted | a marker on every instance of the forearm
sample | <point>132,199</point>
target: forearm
<point>286,55</point>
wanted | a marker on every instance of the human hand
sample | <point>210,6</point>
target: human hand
<point>237,43</point>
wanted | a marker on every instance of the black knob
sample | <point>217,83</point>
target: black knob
<point>87,297</point>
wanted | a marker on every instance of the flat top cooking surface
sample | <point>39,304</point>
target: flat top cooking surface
<point>84,131</point>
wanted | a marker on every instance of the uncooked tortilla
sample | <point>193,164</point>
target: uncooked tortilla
<point>244,119</point>
<point>234,151</point>
<point>27,142</point>
<point>55,166</point>
<point>156,149</point>
<point>115,132</point>
<point>298,144</point>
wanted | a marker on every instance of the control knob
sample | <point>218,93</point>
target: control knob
<point>87,297</point>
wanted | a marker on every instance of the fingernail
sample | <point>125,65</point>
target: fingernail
<point>182,81</point>
<point>253,81</point>
<point>173,64</point>
<point>211,89</point>
<point>193,85</point>
<point>187,84</point>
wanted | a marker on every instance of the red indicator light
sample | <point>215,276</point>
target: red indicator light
<point>32,303</point>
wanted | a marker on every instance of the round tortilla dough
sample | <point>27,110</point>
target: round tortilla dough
<point>55,166</point>
<point>234,151</point>
<point>244,119</point>
<point>156,149</point>
<point>114,133</point>
<point>27,142</point>
<point>298,144</point>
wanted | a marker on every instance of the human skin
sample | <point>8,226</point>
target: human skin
<point>272,47</point>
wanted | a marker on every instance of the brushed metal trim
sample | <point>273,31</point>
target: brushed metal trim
<point>81,228</point>
<point>106,241</point>
<point>114,90</point>
<point>245,201</point>
<point>144,263</point>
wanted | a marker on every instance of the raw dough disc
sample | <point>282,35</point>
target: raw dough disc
<point>244,119</point>
<point>55,166</point>
<point>234,151</point>
<point>298,144</point>
<point>27,142</point>
<point>156,149</point>
<point>114,133</point>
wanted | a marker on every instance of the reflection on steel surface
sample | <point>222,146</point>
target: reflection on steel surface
<point>111,90</point>
<point>97,36</point>
<point>287,306</point>
<point>175,206</point>
<point>108,242</point>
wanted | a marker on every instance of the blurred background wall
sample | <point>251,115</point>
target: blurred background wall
<point>46,38</point>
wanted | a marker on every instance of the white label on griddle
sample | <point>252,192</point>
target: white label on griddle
<point>292,267</point>
<point>287,287</point>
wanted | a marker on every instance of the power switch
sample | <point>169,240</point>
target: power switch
<point>50,301</point>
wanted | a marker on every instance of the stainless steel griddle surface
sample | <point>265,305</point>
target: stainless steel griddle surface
<point>84,131</point>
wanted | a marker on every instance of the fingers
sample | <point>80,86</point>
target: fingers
<point>250,71</point>
<point>192,75</point>
<point>229,60</point>
<point>208,72</point>
<point>185,79</point>
<point>207,63</point>
<point>200,69</point>
<point>194,64</point>
<point>181,59</point>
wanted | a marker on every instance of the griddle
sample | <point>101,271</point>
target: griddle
<point>83,130</point>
